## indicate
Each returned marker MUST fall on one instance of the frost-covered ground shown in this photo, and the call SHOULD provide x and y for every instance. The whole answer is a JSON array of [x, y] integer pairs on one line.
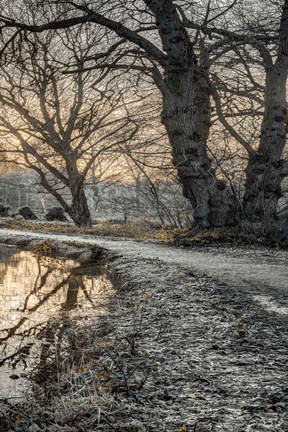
[[211, 358], [195, 340]]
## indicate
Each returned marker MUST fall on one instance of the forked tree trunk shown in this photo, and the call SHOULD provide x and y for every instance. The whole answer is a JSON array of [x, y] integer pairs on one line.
[[187, 119], [266, 169], [78, 210]]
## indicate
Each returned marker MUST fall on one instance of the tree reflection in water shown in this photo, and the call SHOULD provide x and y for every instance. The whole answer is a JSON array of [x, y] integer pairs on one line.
[[38, 296]]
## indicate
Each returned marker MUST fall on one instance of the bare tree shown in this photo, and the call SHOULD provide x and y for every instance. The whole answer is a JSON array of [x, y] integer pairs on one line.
[[181, 76], [60, 124], [251, 103], [266, 168], [177, 43]]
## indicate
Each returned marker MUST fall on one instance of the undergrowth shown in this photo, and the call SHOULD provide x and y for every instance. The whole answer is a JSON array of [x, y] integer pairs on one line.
[[140, 230], [244, 234]]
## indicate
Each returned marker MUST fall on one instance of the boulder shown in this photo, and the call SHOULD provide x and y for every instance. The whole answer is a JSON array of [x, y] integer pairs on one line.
[[27, 213], [4, 210], [56, 214], [18, 217], [91, 256]]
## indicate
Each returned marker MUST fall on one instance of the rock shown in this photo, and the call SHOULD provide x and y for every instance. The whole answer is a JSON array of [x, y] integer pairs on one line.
[[85, 257], [34, 244], [68, 251], [18, 217], [4, 210], [27, 213], [34, 428], [56, 214], [90, 256]]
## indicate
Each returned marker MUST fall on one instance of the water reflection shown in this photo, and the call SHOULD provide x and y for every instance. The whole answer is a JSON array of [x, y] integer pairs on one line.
[[34, 292]]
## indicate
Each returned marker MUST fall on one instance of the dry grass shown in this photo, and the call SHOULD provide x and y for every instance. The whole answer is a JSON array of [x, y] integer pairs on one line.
[[244, 234], [140, 230]]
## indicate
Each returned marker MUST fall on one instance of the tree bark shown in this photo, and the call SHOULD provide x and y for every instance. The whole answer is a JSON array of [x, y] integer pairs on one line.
[[187, 118], [79, 210], [266, 169]]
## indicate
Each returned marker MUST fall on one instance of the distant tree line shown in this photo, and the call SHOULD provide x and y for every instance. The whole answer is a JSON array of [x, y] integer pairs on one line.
[[160, 203]]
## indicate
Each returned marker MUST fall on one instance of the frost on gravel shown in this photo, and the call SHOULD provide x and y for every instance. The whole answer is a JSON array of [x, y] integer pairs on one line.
[[213, 358]]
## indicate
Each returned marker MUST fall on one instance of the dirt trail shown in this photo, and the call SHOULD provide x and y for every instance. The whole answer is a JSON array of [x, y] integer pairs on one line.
[[260, 273]]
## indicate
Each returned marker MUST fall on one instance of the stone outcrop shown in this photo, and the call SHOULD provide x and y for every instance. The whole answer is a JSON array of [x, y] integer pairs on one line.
[[27, 213], [56, 214], [4, 210]]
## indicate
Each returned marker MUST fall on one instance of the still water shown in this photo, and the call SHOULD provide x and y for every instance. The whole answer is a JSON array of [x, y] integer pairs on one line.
[[35, 291]]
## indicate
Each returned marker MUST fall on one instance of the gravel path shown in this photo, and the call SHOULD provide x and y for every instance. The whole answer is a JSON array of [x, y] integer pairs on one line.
[[260, 273]]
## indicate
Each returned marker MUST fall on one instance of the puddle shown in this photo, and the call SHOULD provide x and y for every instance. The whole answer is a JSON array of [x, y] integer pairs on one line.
[[35, 291]]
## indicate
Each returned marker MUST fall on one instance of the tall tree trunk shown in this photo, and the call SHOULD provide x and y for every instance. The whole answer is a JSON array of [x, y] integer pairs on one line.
[[266, 169], [79, 210], [187, 118]]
